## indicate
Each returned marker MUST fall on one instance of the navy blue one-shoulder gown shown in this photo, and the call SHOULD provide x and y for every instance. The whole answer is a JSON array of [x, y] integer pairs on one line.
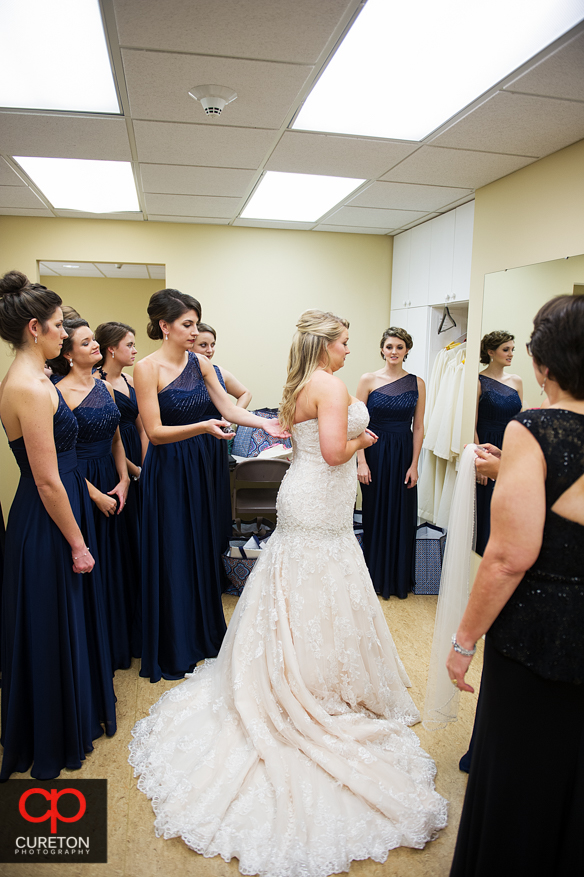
[[220, 465], [182, 613], [98, 417], [498, 404], [128, 408], [390, 508], [57, 688]]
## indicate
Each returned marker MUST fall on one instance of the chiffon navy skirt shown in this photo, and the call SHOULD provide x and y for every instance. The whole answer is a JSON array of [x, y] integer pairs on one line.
[[182, 613], [117, 551], [390, 511], [57, 694]]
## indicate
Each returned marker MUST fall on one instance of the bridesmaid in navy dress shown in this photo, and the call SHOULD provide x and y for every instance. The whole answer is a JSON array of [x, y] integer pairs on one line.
[[205, 346], [182, 613], [57, 693], [388, 470], [102, 462], [500, 397]]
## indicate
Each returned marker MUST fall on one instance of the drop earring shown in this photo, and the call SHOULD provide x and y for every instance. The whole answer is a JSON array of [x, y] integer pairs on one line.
[[35, 339], [166, 337], [113, 354], [70, 363], [543, 386]]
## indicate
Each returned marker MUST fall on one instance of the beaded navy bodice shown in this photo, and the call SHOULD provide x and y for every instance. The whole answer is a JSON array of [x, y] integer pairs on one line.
[[394, 403], [127, 405], [498, 404], [64, 432], [542, 623], [97, 415], [185, 400], [211, 411]]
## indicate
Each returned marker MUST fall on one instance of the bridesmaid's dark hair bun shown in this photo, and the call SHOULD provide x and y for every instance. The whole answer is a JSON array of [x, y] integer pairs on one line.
[[22, 301], [169, 305]]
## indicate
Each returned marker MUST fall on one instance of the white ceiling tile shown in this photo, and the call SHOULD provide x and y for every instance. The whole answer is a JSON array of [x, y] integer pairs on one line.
[[8, 177], [19, 196], [157, 272], [517, 124], [182, 180], [270, 223], [406, 196], [333, 155], [373, 217], [348, 229], [437, 166], [159, 83], [137, 272], [271, 29], [209, 146], [45, 271], [417, 222], [74, 214], [559, 75], [83, 269], [64, 136], [195, 220], [192, 205], [24, 211]]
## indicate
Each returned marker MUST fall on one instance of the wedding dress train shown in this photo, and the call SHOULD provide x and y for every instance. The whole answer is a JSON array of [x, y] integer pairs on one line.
[[291, 750]]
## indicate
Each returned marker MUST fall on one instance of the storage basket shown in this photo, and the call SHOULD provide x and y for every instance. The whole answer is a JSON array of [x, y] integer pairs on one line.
[[430, 544]]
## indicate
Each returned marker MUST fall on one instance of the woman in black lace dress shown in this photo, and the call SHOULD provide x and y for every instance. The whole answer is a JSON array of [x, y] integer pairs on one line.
[[524, 804]]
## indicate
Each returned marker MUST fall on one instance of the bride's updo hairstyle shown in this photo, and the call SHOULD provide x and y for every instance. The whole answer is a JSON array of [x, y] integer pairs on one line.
[[22, 301], [60, 364], [169, 305], [314, 331], [557, 342]]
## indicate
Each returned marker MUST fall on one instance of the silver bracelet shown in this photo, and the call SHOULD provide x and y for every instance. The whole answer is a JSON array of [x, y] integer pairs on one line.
[[468, 653]]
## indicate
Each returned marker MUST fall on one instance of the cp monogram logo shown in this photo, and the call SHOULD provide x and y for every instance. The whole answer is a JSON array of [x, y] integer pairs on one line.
[[53, 812]]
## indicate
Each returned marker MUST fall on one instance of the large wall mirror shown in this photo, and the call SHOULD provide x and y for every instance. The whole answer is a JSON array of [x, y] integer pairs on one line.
[[513, 297]]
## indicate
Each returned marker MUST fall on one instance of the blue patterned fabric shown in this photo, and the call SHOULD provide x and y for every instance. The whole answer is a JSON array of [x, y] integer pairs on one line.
[[98, 417], [429, 557], [182, 613], [390, 508], [498, 404], [250, 441], [57, 688]]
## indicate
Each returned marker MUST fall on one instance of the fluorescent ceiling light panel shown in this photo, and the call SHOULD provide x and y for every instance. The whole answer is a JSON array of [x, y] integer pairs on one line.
[[406, 68], [87, 186], [297, 197], [55, 57]]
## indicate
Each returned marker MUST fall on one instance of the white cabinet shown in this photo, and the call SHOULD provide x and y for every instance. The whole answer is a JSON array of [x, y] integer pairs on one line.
[[421, 237], [463, 230], [400, 274], [416, 322], [441, 257]]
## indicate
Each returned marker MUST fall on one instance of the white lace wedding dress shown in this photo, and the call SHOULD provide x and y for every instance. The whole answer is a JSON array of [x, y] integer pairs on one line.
[[290, 750]]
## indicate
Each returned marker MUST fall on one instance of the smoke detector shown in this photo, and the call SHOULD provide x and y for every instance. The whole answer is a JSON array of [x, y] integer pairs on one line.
[[213, 97]]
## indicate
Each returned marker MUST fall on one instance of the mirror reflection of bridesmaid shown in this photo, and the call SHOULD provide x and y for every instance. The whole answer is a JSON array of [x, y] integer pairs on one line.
[[388, 471], [499, 399]]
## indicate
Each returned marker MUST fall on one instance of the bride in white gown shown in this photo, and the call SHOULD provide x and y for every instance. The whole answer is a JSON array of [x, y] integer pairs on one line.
[[291, 750]]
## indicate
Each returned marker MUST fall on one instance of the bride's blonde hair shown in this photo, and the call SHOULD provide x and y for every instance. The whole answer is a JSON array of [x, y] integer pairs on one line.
[[314, 331]]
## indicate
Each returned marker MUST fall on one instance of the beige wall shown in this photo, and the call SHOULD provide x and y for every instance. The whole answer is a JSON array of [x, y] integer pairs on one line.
[[252, 283], [533, 215]]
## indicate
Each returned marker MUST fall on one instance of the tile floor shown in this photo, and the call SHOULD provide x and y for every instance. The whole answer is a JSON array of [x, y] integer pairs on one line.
[[135, 851]]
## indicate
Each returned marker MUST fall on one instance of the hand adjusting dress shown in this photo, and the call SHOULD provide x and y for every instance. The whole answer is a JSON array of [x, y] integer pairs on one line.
[[182, 613], [57, 685], [291, 750], [390, 508], [498, 404]]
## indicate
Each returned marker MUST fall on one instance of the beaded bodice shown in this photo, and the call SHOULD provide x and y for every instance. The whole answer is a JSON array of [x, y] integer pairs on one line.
[[211, 411], [128, 406], [316, 500], [542, 623], [185, 399], [498, 404], [97, 415], [64, 432], [393, 404]]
